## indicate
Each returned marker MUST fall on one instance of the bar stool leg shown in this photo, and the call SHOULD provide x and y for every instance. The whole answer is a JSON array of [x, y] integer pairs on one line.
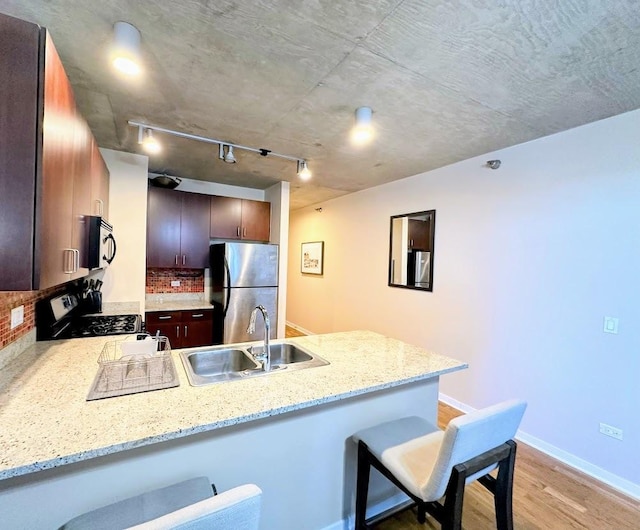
[[362, 486], [503, 496]]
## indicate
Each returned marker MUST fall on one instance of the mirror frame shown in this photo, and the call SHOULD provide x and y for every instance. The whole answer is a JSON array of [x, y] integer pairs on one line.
[[431, 244]]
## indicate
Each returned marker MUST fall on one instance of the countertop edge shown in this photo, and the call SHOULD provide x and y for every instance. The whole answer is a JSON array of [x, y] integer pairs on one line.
[[172, 435]]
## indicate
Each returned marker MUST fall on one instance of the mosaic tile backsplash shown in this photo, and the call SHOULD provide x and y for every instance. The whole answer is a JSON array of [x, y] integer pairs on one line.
[[11, 299], [159, 281]]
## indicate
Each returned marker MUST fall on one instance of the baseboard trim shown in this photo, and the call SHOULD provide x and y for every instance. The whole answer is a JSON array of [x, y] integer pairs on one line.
[[382, 506], [621, 484], [299, 328]]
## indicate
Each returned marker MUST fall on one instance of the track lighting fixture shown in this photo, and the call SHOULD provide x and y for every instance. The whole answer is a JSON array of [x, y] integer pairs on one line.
[[229, 158], [125, 50], [494, 164], [303, 170], [148, 141], [145, 137], [362, 131]]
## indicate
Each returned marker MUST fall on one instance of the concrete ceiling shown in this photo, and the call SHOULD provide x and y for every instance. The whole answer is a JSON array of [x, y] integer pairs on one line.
[[447, 80]]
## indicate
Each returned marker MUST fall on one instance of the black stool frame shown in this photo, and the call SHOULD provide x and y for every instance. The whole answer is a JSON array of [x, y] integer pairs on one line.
[[449, 514]]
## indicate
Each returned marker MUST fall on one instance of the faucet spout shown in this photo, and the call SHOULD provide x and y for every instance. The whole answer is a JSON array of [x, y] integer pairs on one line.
[[251, 328]]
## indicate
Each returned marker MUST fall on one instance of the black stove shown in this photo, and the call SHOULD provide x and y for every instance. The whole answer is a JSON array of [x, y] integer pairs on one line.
[[95, 326], [60, 317]]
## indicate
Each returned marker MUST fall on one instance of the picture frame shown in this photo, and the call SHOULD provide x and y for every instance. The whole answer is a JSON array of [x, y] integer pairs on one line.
[[312, 258]]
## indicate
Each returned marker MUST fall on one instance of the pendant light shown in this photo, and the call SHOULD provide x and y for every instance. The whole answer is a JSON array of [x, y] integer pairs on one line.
[[362, 131], [125, 50]]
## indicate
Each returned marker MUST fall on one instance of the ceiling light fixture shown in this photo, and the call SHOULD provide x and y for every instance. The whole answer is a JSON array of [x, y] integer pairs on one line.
[[149, 143], [125, 50], [362, 131], [144, 131], [303, 170], [229, 158]]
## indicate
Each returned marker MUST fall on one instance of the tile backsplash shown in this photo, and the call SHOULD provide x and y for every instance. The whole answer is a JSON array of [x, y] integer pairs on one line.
[[159, 281], [11, 299]]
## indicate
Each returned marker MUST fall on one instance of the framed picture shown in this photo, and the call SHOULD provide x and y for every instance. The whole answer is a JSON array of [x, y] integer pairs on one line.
[[312, 257]]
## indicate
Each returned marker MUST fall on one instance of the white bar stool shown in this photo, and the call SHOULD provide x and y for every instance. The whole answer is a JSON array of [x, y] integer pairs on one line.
[[188, 505], [428, 464]]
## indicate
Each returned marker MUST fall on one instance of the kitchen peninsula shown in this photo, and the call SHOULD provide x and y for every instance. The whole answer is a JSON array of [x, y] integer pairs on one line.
[[287, 432]]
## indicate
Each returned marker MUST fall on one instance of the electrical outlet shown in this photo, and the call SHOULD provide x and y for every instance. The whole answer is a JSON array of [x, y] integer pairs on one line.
[[175, 283], [610, 325], [17, 316], [608, 430]]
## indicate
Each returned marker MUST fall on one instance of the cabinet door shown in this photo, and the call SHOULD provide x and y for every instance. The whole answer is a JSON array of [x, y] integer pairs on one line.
[[226, 217], [59, 161], [197, 328], [164, 209], [81, 207], [168, 323], [19, 55], [256, 220], [194, 231], [418, 235], [99, 183]]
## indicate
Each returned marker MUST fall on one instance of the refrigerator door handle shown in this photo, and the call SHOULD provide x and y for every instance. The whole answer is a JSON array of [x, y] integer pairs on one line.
[[227, 287]]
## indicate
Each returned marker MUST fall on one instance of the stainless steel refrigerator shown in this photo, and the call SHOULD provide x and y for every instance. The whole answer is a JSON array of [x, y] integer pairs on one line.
[[243, 275], [420, 268]]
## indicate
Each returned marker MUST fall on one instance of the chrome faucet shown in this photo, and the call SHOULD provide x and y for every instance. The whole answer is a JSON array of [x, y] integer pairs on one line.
[[265, 357]]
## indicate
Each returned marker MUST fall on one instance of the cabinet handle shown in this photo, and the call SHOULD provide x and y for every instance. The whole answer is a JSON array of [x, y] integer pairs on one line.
[[184, 259], [76, 261], [238, 231], [185, 331], [100, 209], [244, 232], [176, 259], [168, 317], [411, 242], [67, 260], [177, 331], [199, 315]]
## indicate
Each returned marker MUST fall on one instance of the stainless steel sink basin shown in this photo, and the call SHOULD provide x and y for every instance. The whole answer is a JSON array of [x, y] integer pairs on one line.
[[205, 366]]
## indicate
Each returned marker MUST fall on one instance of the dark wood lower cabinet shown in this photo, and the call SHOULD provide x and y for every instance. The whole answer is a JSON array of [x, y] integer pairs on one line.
[[184, 329]]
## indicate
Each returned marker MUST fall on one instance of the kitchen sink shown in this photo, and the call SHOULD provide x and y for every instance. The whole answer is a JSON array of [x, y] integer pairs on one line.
[[206, 366]]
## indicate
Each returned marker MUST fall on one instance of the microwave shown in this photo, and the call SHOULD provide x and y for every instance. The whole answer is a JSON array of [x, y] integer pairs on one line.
[[101, 245]]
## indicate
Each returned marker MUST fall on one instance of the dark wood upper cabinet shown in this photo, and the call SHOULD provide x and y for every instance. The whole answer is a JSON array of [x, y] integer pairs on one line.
[[240, 219], [99, 183], [194, 230], [419, 234], [45, 163], [177, 229]]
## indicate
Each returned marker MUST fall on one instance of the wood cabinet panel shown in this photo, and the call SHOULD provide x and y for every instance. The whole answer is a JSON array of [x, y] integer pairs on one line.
[[99, 183], [419, 235], [19, 51], [45, 163], [226, 217], [163, 227], [245, 219], [185, 329], [256, 220], [194, 231]]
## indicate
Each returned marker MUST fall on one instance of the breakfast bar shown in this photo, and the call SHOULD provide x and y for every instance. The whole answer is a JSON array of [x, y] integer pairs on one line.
[[288, 432]]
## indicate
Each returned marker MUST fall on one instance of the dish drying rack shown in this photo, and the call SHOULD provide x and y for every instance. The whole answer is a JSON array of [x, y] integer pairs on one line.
[[137, 364]]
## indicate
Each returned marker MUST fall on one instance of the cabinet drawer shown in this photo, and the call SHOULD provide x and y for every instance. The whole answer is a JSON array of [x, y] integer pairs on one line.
[[156, 318], [198, 315]]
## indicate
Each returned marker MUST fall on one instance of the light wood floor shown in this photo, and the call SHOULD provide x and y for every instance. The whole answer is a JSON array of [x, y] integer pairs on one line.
[[546, 495]]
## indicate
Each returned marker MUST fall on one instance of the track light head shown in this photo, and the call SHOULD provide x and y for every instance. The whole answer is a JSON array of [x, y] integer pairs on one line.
[[494, 164], [303, 170], [229, 158], [148, 141]]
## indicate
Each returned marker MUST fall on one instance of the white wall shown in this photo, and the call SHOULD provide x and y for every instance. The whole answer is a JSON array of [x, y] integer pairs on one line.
[[528, 260], [278, 196], [124, 280]]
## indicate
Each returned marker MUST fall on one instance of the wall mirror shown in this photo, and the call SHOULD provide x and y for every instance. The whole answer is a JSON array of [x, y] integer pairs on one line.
[[411, 250]]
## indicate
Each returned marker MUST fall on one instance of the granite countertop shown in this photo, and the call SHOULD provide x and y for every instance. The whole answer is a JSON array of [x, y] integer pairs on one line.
[[177, 305], [47, 422]]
